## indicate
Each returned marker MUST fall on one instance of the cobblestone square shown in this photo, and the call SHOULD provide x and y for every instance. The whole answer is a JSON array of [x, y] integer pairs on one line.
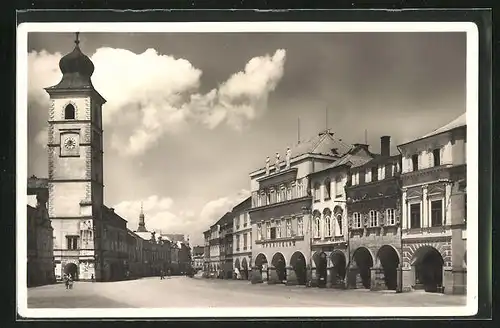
[[198, 292]]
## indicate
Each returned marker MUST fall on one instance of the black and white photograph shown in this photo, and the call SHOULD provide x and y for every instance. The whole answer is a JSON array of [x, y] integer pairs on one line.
[[247, 169]]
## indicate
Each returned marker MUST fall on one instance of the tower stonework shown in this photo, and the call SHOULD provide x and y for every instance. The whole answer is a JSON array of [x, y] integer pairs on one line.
[[76, 168]]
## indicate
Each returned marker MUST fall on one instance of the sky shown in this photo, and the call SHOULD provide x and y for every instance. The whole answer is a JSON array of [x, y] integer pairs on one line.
[[190, 115]]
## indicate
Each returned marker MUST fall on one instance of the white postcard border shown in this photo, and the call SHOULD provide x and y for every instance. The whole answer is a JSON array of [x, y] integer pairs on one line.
[[472, 103]]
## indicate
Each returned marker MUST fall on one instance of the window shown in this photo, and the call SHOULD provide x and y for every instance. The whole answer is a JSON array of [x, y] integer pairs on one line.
[[328, 187], [415, 215], [250, 240], [374, 173], [317, 227], [237, 242], [278, 229], [288, 227], [237, 222], [69, 112], [339, 188], [300, 192], [273, 196], [328, 226], [353, 179], [339, 222], [268, 230], [436, 213], [373, 219], [245, 241], [283, 193], [278, 196], [259, 231], [356, 220], [317, 195], [273, 233], [300, 226], [268, 198], [436, 154], [388, 171], [414, 162], [391, 219], [288, 192], [72, 242]]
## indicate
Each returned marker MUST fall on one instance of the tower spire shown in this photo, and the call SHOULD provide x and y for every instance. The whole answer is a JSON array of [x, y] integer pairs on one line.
[[142, 223]]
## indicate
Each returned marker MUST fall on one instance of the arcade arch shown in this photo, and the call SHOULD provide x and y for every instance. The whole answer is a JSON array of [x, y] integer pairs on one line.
[[389, 260], [364, 261], [427, 263], [298, 264], [279, 264]]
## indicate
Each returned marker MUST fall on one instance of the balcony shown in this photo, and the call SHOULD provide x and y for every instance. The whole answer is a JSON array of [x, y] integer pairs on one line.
[[277, 240]]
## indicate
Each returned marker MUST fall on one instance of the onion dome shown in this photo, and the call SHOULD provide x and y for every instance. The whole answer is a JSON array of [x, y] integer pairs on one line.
[[77, 70], [76, 62]]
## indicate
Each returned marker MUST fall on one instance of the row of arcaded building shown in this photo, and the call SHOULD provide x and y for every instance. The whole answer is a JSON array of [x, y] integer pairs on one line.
[[339, 215]]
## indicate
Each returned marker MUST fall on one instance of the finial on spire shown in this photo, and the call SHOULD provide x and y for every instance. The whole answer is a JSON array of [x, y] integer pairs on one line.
[[142, 208], [77, 41]]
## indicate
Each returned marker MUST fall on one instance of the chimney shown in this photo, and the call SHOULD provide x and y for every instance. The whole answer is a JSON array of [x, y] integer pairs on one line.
[[385, 146]]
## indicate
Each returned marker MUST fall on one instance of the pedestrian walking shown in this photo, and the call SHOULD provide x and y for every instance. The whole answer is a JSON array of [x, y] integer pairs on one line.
[[92, 277], [70, 282], [66, 281], [161, 274]]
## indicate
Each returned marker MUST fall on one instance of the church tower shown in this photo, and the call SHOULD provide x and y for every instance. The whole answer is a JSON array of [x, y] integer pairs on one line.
[[142, 223], [76, 167]]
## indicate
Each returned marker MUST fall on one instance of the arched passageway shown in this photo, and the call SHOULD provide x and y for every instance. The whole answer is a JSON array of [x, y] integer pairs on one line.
[[279, 264], [428, 266], [71, 269], [339, 263], [244, 269], [262, 265], [364, 262], [389, 260], [321, 262], [237, 269], [298, 263]]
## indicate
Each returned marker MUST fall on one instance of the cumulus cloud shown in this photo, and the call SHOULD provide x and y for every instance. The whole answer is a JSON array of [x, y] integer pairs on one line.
[[42, 137], [151, 94], [161, 216]]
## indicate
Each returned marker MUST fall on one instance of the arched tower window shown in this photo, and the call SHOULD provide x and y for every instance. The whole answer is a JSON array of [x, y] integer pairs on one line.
[[69, 112]]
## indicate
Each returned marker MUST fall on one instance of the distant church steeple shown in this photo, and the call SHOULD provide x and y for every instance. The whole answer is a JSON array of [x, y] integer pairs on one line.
[[142, 224]]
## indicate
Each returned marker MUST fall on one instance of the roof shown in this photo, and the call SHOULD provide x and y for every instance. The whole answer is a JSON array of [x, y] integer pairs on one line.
[[244, 205], [37, 183], [226, 218], [378, 159], [458, 122], [321, 144], [352, 159]]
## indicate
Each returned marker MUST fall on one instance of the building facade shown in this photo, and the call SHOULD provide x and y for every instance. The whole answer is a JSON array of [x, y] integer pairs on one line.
[[40, 261], [281, 210], [206, 252], [242, 239], [374, 211], [330, 236], [214, 242], [434, 210], [198, 258]]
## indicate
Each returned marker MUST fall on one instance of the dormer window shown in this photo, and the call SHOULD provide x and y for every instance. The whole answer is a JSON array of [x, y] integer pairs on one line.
[[414, 161], [374, 173], [436, 154], [327, 189], [69, 112], [317, 194]]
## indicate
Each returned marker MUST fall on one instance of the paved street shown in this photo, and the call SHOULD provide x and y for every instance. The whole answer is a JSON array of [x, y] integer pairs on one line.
[[196, 292]]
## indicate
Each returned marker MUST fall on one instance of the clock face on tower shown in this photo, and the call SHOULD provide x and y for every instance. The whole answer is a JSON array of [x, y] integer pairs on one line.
[[70, 143]]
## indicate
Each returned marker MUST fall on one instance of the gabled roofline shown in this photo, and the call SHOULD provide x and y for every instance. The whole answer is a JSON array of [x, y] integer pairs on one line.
[[433, 135]]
